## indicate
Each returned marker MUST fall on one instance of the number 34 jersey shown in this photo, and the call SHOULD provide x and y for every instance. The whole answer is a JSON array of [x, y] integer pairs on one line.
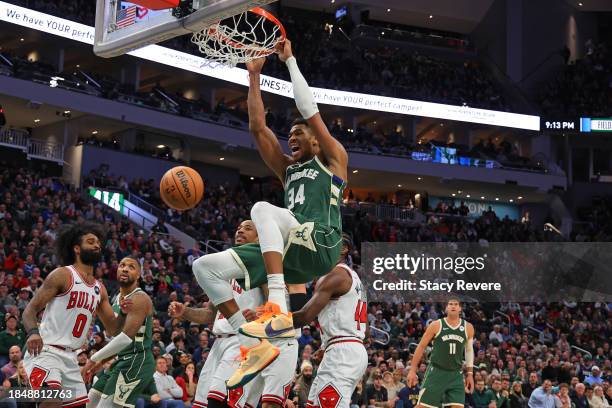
[[345, 316], [314, 193], [69, 315]]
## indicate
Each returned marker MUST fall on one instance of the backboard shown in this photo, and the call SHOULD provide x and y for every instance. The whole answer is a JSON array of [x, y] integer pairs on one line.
[[122, 26]]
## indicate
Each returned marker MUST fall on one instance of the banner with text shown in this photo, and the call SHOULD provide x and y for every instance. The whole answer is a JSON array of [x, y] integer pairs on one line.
[[489, 272], [478, 208], [163, 55]]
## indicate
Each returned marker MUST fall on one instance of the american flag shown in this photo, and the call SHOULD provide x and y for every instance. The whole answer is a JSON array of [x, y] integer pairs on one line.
[[126, 17]]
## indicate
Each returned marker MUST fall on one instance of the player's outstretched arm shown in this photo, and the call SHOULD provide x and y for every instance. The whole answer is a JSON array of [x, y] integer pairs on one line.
[[200, 315], [332, 284], [52, 286], [140, 309], [112, 324], [267, 144], [469, 359], [334, 153], [429, 334]]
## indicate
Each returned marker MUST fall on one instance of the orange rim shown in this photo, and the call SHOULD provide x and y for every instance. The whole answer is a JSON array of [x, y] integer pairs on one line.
[[271, 17], [264, 13]]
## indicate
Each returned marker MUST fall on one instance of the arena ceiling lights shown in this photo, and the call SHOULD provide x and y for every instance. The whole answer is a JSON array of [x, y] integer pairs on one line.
[[155, 53]]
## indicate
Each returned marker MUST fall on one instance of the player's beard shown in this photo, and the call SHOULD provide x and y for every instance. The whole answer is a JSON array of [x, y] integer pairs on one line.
[[127, 283], [89, 257]]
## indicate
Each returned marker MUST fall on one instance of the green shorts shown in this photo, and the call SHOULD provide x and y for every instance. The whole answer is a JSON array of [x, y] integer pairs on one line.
[[442, 387], [127, 378], [312, 250]]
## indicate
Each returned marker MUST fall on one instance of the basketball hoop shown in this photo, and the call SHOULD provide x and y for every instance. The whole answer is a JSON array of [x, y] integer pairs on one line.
[[241, 38]]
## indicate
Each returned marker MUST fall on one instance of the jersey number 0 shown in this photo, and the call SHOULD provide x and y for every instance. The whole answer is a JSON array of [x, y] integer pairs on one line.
[[79, 325]]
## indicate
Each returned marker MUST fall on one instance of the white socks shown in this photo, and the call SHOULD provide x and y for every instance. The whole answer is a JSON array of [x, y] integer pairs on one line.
[[276, 287]]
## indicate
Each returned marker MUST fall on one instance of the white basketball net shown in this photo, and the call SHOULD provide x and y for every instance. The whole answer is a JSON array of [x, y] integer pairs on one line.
[[239, 39]]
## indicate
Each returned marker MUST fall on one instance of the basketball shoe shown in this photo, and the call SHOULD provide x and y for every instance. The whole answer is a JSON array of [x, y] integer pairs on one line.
[[273, 324], [254, 360]]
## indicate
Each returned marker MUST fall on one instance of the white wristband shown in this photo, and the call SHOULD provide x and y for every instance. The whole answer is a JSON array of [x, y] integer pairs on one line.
[[118, 343], [304, 100], [469, 354]]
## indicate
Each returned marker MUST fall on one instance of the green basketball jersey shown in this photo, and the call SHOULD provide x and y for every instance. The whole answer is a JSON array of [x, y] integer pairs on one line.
[[449, 346], [313, 193], [144, 338]]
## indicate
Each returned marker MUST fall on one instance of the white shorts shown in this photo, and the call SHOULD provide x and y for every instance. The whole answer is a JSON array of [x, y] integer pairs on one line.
[[343, 366], [274, 383], [223, 360], [55, 368]]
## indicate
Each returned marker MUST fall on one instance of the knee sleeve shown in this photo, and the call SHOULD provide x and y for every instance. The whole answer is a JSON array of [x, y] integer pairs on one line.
[[214, 273], [273, 225]]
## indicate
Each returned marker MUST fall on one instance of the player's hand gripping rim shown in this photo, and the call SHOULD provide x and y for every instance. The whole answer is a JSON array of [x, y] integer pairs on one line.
[[283, 50]]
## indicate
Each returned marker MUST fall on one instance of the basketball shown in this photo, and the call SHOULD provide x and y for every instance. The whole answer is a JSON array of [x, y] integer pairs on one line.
[[181, 188]]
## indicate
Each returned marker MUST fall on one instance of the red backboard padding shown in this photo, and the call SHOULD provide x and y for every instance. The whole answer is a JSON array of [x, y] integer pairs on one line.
[[156, 4]]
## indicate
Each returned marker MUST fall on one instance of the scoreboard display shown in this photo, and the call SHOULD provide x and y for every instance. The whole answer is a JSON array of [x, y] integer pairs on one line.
[[596, 125], [560, 125], [584, 125]]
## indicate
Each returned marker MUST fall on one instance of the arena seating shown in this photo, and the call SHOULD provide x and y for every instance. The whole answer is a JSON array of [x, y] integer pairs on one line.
[[583, 87], [331, 64], [33, 208], [526, 343]]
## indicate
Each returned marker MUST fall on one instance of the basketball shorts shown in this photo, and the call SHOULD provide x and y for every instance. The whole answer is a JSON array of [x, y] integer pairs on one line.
[[442, 387], [343, 366], [312, 251], [274, 382], [127, 378], [223, 360], [55, 368]]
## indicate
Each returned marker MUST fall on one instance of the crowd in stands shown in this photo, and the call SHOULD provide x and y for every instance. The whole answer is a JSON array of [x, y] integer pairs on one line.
[[385, 70], [379, 70], [516, 352], [224, 205], [583, 88], [330, 63], [366, 139], [594, 223]]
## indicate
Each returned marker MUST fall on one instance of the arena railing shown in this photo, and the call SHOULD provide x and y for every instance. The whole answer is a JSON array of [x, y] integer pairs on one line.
[[507, 317], [37, 149], [417, 37], [14, 138], [381, 211], [145, 205], [46, 150], [169, 105], [139, 219], [583, 351], [534, 329], [208, 245]]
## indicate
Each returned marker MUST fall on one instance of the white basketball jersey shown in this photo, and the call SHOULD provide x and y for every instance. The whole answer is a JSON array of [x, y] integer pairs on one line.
[[248, 299], [347, 315], [69, 315]]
